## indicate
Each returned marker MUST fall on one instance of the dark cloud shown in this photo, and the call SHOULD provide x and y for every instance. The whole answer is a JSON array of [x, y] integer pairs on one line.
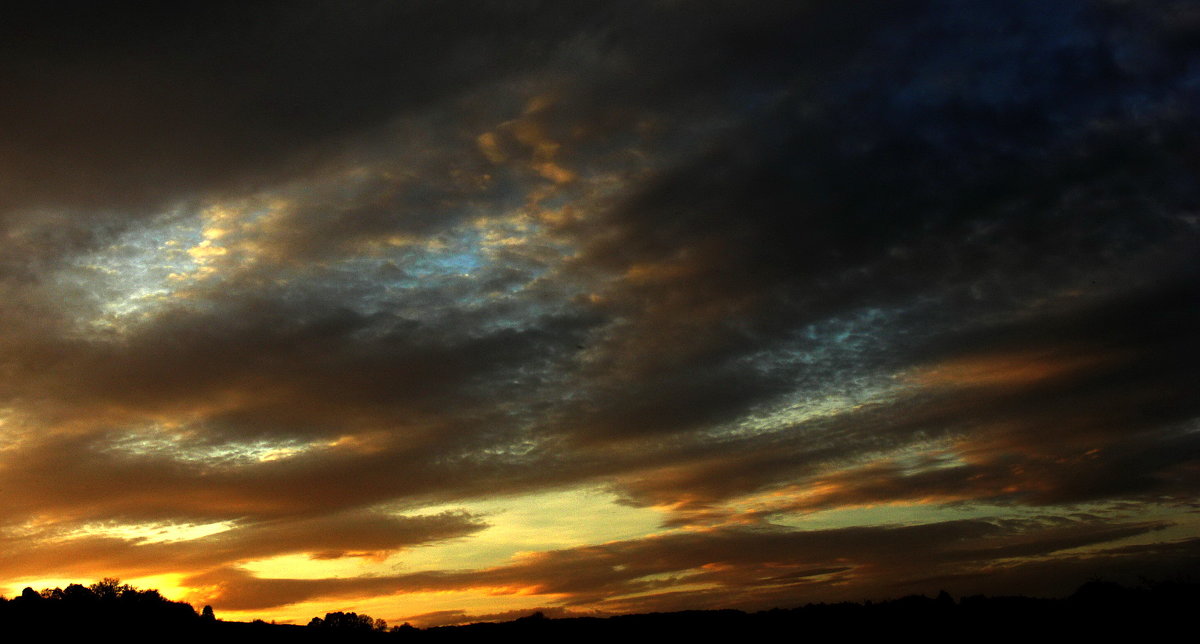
[[912, 174], [341, 534], [126, 105]]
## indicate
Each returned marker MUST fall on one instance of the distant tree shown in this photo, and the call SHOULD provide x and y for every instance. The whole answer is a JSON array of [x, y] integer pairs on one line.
[[78, 592], [30, 594], [110, 588], [207, 614], [345, 622], [380, 625]]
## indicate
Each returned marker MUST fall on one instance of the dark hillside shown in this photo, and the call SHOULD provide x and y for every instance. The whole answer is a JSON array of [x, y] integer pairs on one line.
[[1097, 609]]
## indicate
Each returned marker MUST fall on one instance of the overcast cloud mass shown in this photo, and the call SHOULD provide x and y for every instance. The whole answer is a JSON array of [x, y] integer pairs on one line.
[[447, 311]]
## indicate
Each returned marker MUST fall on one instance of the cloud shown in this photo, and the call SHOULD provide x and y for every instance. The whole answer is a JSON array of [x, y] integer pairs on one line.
[[283, 266], [758, 567], [347, 533], [234, 96]]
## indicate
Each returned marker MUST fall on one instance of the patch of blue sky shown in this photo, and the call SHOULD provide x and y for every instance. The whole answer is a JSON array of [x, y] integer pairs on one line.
[[832, 366], [155, 442], [457, 262], [131, 274], [462, 270]]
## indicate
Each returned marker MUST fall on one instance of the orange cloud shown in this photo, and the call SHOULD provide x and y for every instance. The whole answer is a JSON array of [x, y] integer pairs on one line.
[[1003, 369]]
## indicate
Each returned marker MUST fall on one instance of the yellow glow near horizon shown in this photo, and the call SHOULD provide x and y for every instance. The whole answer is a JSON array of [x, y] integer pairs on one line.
[[167, 584], [398, 608], [15, 586], [536, 522], [517, 524]]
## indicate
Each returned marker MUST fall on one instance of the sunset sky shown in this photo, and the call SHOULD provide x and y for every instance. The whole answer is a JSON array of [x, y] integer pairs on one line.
[[455, 311]]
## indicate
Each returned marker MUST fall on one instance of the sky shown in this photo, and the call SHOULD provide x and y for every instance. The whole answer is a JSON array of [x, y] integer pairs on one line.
[[445, 312]]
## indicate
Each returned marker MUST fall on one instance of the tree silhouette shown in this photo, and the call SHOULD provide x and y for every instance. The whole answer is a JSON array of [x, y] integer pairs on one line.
[[348, 622], [105, 606], [110, 588], [78, 593]]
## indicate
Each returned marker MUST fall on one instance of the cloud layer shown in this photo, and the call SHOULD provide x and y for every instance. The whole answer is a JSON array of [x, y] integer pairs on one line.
[[300, 273]]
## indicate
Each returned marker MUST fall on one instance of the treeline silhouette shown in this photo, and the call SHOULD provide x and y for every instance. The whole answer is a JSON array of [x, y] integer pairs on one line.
[[105, 605], [1097, 609]]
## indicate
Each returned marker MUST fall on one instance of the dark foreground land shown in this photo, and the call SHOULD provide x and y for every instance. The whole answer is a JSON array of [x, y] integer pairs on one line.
[[1098, 610]]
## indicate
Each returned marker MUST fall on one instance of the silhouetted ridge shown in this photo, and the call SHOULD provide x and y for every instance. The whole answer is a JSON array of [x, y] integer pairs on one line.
[[1096, 609], [105, 605]]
